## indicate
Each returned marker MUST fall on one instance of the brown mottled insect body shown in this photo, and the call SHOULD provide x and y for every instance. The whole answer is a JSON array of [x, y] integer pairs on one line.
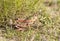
[[22, 23]]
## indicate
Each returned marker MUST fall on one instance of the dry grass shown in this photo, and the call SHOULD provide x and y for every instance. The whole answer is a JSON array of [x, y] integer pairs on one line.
[[46, 28]]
